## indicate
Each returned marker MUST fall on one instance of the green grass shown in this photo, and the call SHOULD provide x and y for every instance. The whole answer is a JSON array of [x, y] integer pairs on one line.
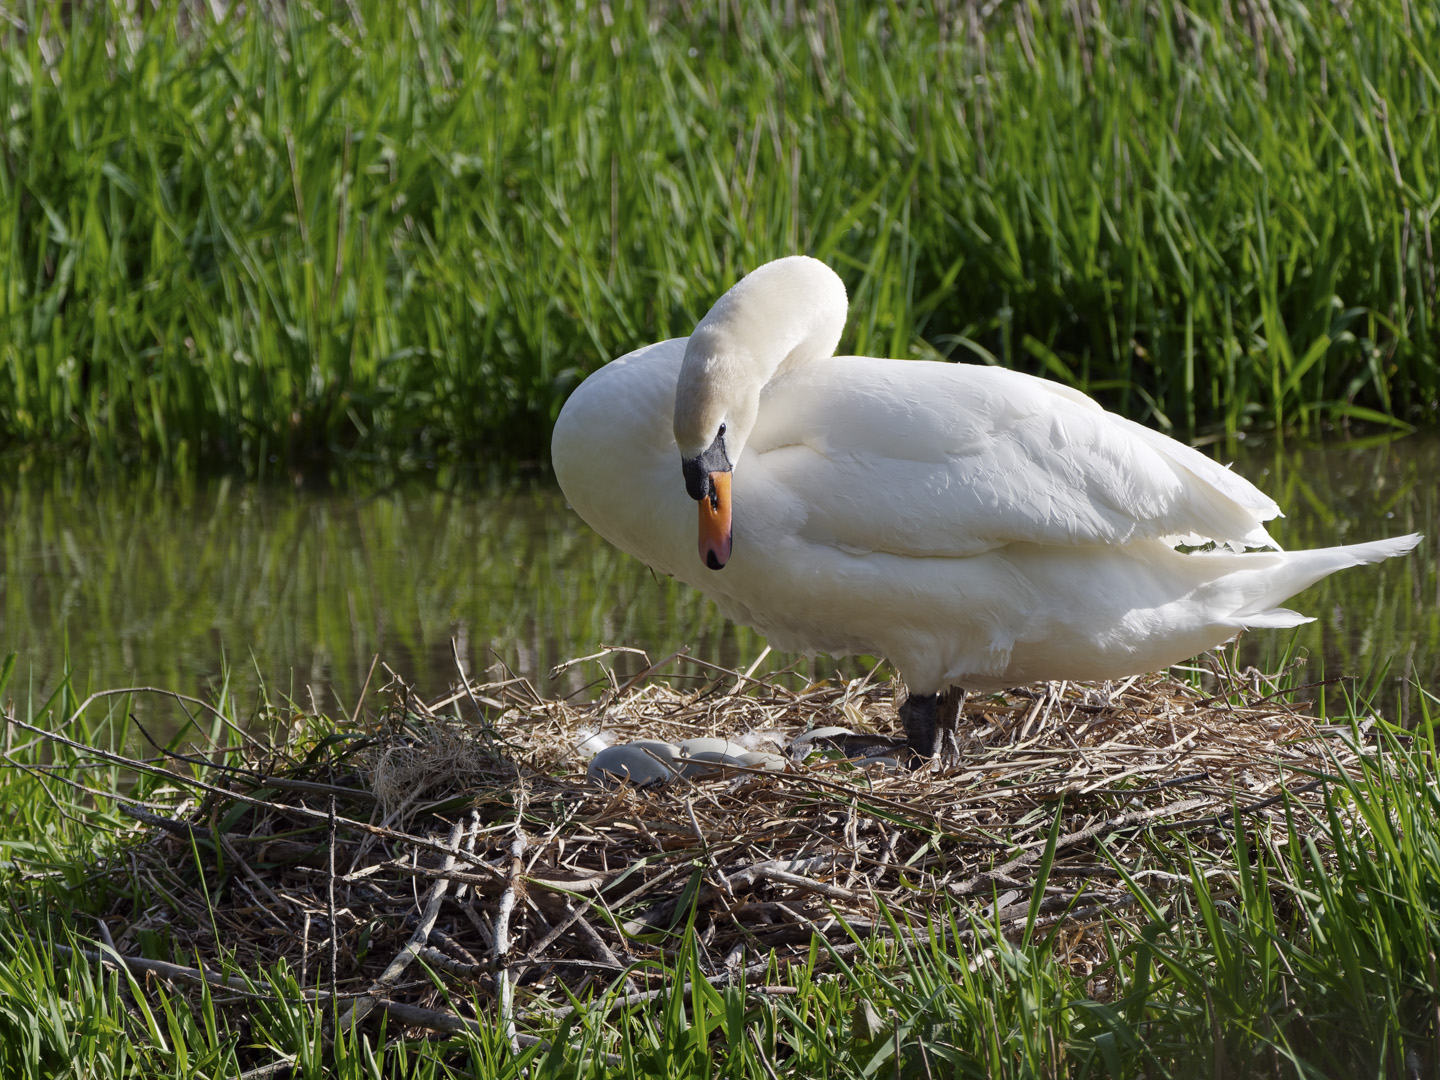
[[1291, 945], [405, 230]]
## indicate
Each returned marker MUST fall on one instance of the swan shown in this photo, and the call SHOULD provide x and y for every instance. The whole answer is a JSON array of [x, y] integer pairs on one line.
[[980, 528]]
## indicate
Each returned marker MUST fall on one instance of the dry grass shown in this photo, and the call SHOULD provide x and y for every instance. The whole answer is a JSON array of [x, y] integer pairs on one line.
[[479, 848]]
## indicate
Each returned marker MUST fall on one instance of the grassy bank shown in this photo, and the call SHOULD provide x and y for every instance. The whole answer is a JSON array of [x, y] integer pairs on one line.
[[400, 230], [1295, 939]]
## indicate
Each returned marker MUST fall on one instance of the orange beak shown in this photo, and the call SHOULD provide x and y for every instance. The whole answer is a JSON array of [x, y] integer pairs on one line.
[[715, 522]]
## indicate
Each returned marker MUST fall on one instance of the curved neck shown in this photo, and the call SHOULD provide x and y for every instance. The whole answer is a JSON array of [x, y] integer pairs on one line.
[[782, 315]]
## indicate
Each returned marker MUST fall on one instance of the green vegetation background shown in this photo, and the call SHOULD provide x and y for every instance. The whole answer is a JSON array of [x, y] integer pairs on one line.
[[390, 231]]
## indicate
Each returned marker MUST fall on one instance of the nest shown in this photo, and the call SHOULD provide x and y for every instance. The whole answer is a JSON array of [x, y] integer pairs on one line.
[[452, 855]]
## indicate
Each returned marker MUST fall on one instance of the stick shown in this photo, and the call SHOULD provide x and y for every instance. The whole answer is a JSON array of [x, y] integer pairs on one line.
[[502, 939], [309, 787], [1001, 873], [181, 698], [355, 716], [184, 830], [365, 1004], [741, 879], [537, 950], [330, 905], [471, 836], [589, 884], [1216, 820], [782, 877], [259, 883], [760, 1050], [595, 944], [485, 726], [167, 970], [749, 672]]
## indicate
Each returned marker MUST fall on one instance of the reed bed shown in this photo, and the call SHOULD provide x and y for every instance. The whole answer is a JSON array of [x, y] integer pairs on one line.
[[404, 231], [449, 864]]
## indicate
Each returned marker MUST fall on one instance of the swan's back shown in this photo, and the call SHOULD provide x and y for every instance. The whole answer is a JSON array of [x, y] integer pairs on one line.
[[919, 458]]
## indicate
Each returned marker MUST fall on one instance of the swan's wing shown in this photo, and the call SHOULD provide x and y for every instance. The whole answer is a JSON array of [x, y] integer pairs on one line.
[[918, 458]]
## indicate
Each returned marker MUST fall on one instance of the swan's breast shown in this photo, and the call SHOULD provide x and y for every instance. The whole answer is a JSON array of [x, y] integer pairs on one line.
[[614, 454]]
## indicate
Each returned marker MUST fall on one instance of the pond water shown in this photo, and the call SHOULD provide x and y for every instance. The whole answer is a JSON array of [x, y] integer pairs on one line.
[[293, 589]]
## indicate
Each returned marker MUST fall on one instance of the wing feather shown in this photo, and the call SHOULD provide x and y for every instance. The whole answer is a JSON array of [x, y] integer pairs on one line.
[[927, 459]]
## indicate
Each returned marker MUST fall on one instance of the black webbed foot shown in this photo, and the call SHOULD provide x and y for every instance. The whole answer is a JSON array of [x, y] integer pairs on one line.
[[867, 746]]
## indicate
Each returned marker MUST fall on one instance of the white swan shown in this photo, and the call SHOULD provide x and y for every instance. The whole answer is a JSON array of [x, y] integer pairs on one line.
[[979, 527]]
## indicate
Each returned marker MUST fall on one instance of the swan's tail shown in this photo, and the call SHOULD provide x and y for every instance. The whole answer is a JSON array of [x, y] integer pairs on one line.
[[1264, 589]]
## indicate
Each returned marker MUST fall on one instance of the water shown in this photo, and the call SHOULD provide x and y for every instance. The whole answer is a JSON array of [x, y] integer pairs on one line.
[[292, 590]]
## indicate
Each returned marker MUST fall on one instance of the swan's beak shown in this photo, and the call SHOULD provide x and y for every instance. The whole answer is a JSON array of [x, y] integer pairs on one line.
[[715, 521], [707, 481]]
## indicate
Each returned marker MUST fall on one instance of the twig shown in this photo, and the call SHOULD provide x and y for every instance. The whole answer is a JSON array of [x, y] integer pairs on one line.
[[502, 936], [749, 672], [472, 834], [330, 903], [355, 716], [167, 970], [741, 879], [182, 699], [183, 829], [593, 883], [310, 787], [445, 962], [605, 650], [265, 890], [1130, 793], [572, 916], [453, 947], [189, 759], [1255, 807], [470, 692], [645, 672], [1001, 873], [760, 1050], [268, 1072], [596, 944], [362, 1007]]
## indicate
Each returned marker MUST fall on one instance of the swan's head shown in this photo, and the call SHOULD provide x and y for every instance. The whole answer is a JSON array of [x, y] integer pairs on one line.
[[712, 421], [781, 315]]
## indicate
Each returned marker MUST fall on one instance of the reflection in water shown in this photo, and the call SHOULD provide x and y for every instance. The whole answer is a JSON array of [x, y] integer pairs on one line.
[[1380, 624], [167, 584]]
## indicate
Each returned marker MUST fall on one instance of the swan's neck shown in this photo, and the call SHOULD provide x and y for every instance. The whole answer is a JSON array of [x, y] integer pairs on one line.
[[779, 317]]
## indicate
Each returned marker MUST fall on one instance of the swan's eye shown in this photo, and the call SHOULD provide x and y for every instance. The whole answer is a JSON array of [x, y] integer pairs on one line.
[[722, 429]]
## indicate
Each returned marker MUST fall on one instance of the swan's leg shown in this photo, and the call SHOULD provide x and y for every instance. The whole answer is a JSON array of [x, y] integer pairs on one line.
[[930, 721], [918, 713], [952, 703]]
